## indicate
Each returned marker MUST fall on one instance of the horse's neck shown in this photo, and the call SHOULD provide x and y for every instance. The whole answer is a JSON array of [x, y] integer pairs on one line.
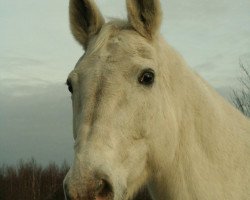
[[213, 145]]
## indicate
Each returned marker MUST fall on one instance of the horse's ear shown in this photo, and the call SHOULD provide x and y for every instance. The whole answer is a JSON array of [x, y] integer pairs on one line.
[[85, 20], [145, 16]]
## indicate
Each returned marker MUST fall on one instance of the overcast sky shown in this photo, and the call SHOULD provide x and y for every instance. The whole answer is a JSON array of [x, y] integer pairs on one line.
[[37, 52]]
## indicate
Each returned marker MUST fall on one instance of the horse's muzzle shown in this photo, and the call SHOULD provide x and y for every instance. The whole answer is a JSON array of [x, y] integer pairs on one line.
[[94, 189]]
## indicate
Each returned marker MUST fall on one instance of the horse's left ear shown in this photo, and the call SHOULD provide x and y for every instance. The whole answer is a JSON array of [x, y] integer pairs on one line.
[[145, 16]]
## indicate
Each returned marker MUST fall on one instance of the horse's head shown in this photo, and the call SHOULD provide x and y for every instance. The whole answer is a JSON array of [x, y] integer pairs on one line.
[[119, 108]]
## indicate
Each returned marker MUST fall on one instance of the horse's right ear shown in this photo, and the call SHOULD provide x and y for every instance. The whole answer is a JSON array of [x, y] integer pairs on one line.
[[145, 16], [85, 20]]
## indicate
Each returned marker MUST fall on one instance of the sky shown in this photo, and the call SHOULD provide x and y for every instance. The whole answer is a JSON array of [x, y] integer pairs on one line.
[[37, 52]]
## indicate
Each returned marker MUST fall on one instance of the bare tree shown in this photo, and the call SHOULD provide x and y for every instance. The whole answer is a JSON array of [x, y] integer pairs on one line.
[[241, 99]]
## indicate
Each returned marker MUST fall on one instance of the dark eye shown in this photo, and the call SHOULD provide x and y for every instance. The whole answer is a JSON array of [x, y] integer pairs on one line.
[[70, 88], [147, 77]]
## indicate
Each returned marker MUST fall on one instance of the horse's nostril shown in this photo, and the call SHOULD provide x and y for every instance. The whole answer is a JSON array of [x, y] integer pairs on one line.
[[104, 190], [99, 185]]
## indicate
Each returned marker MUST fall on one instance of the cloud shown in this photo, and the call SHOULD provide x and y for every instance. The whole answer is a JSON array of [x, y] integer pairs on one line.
[[38, 125]]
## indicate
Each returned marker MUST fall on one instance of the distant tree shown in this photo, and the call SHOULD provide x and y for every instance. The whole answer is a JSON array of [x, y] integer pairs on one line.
[[241, 98], [29, 181], [2, 182]]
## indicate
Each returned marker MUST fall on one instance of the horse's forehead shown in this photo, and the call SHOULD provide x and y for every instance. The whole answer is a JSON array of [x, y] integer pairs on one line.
[[115, 50], [131, 43]]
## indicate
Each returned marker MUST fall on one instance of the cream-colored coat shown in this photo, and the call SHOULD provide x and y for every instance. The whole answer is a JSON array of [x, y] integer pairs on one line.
[[178, 136]]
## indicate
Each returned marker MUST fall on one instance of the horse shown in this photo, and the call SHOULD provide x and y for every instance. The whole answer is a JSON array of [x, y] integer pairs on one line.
[[142, 117]]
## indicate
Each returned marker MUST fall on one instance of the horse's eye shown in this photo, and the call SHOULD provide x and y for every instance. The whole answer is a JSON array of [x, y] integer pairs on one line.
[[147, 77], [70, 88]]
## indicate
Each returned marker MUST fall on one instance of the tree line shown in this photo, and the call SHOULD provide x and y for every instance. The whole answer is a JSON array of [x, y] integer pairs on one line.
[[30, 181]]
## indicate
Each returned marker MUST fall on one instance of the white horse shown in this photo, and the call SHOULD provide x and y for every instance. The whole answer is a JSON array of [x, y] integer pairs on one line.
[[143, 118]]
